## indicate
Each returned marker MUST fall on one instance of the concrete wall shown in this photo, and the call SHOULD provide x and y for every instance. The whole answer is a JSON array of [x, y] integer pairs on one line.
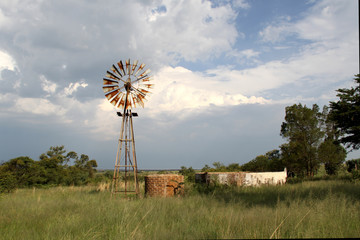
[[242, 178]]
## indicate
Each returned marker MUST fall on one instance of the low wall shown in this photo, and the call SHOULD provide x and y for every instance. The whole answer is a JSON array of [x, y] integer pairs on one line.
[[242, 178], [163, 185]]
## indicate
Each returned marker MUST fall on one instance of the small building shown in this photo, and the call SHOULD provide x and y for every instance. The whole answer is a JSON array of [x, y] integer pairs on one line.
[[242, 178]]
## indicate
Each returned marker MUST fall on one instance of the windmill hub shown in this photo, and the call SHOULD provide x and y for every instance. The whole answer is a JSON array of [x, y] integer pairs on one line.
[[127, 86]]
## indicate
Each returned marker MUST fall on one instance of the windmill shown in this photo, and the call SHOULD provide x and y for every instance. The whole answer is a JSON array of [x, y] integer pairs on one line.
[[126, 87]]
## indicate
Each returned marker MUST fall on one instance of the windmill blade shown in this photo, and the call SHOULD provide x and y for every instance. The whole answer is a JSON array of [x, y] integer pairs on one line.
[[140, 68], [115, 70], [122, 101], [110, 95], [107, 89], [121, 66], [112, 76], [133, 99], [110, 82], [138, 100], [146, 72], [138, 91], [149, 86], [141, 79], [144, 91], [134, 66], [128, 66], [116, 99], [146, 79]]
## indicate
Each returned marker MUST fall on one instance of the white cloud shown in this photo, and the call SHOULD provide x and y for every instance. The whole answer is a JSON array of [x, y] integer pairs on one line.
[[6, 62], [179, 89], [73, 87], [241, 4], [38, 106], [192, 30], [327, 20], [274, 33], [47, 85]]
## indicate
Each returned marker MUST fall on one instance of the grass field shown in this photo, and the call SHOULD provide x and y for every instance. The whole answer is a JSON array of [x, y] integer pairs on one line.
[[319, 209]]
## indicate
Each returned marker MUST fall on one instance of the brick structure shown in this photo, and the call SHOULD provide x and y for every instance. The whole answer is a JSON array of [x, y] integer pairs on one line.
[[163, 185]]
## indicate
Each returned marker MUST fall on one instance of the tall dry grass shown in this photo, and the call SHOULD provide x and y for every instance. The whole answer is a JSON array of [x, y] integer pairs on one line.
[[323, 209]]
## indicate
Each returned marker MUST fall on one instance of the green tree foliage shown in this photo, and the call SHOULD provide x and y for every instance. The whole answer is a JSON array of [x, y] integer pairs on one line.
[[51, 169], [26, 171], [332, 155], [330, 152], [233, 167], [206, 168], [353, 164], [188, 173], [346, 114], [269, 162], [312, 139], [302, 128], [219, 167], [7, 181]]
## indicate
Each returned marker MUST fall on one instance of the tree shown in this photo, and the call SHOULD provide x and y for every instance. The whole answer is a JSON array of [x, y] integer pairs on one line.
[[302, 128], [188, 173], [206, 168], [275, 160], [52, 168], [346, 114], [271, 161], [259, 164], [330, 152], [219, 167], [7, 180], [353, 164], [233, 167], [332, 155]]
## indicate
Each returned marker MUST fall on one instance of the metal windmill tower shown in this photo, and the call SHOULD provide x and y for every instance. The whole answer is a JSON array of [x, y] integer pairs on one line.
[[126, 87]]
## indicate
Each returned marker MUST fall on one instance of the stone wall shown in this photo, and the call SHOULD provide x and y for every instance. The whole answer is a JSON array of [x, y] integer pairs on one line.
[[163, 185]]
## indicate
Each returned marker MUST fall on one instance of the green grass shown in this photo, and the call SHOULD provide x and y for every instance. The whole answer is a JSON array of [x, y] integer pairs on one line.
[[321, 209]]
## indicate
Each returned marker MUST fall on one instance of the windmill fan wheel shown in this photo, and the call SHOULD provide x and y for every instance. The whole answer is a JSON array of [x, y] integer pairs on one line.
[[127, 86]]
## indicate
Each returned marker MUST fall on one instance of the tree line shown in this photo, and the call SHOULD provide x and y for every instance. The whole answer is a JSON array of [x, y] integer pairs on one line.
[[55, 167], [314, 136]]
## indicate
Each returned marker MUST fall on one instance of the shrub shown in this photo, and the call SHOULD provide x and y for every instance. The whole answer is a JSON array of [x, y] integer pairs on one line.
[[7, 182]]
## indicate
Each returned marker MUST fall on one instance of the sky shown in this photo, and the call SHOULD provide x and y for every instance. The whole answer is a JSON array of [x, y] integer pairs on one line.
[[223, 70]]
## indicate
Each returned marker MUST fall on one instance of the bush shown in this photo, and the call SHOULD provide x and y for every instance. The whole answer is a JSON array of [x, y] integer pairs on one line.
[[188, 173], [7, 182]]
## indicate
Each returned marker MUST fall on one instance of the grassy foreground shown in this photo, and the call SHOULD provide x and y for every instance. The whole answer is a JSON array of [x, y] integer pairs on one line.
[[322, 209]]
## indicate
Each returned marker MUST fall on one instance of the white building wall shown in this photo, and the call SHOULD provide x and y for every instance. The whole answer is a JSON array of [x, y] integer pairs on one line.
[[270, 178]]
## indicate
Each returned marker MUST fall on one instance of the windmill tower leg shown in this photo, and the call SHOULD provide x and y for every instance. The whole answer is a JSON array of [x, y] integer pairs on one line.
[[126, 159]]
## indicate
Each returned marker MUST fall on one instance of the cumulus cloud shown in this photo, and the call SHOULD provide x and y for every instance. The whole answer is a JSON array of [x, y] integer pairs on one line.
[[180, 89], [38, 106], [73, 87], [6, 61], [321, 23], [47, 85]]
